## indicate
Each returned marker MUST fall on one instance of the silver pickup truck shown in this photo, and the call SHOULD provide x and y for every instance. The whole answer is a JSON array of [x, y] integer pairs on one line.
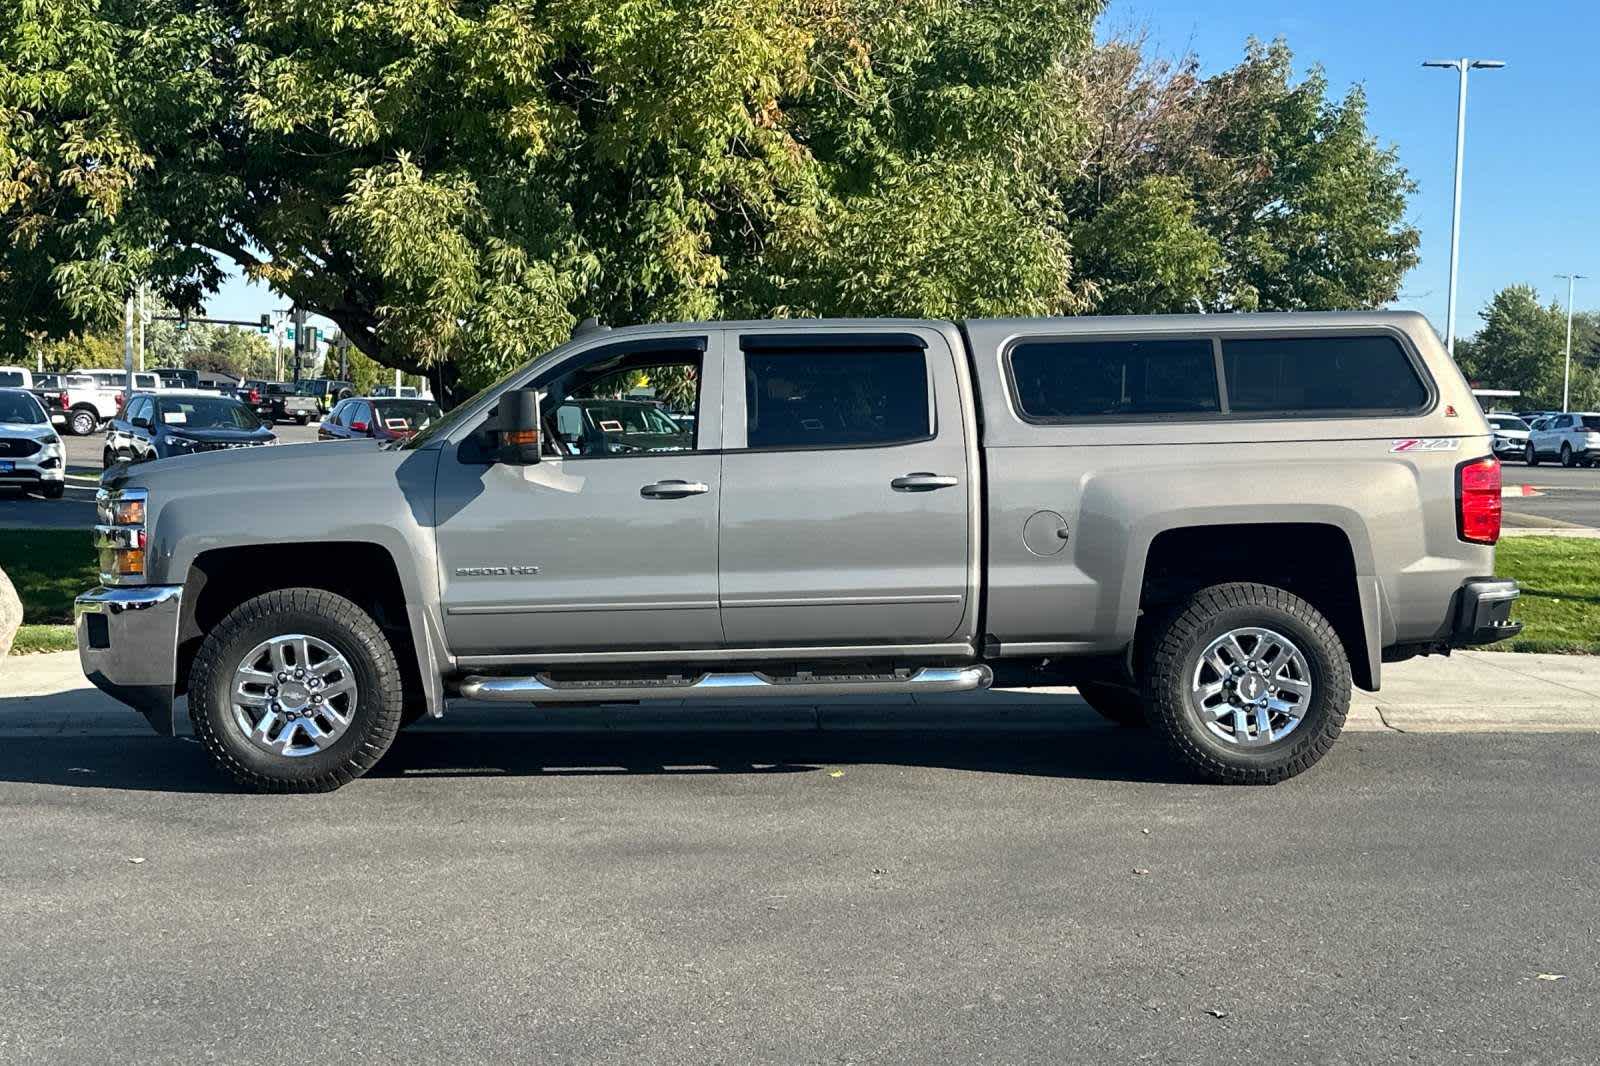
[[1212, 525]]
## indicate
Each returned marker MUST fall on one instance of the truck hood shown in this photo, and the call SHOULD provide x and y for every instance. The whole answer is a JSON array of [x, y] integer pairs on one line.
[[288, 464]]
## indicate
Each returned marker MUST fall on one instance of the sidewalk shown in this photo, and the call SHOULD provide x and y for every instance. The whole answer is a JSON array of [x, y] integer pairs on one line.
[[47, 695]]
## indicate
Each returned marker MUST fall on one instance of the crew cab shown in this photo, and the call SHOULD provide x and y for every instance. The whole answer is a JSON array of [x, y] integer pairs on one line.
[[91, 398], [1212, 525]]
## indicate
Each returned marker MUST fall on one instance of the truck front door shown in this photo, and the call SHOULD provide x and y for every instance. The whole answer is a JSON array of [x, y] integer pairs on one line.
[[609, 543], [846, 489]]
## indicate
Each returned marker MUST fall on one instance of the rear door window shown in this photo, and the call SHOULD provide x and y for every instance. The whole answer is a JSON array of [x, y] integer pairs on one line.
[[836, 397], [1057, 380], [1290, 375]]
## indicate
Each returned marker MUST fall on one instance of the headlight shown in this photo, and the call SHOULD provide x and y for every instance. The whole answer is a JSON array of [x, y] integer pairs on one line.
[[120, 536], [175, 441]]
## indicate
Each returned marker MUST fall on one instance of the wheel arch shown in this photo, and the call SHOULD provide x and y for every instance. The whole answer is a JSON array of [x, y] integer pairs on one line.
[[1323, 562], [366, 573]]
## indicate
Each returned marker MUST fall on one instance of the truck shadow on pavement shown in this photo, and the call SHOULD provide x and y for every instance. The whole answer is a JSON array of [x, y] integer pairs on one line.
[[112, 753]]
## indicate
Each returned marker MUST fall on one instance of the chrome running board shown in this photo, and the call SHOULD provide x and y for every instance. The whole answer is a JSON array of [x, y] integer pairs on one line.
[[541, 689]]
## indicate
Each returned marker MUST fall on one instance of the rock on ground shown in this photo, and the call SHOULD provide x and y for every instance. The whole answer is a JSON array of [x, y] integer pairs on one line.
[[10, 614]]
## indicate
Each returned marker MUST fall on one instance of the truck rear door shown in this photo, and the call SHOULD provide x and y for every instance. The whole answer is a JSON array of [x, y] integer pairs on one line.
[[846, 500]]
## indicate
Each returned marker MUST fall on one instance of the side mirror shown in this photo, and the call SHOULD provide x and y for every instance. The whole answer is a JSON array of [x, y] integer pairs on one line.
[[519, 427], [141, 423]]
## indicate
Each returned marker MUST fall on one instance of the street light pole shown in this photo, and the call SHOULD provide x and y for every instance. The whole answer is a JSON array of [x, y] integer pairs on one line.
[[1566, 371], [1461, 66]]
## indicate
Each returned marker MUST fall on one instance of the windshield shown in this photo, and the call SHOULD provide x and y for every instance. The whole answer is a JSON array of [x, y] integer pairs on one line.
[[206, 412], [1507, 422], [414, 413], [20, 409]]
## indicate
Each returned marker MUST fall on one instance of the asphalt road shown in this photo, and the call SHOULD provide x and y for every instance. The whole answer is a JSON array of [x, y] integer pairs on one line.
[[1570, 496], [803, 898]]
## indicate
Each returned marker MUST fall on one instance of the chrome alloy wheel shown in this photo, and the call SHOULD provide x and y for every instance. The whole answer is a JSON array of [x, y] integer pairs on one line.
[[1251, 687], [293, 695]]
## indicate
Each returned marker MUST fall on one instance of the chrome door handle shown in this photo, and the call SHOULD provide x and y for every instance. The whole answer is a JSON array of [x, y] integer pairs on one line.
[[673, 490], [923, 482]]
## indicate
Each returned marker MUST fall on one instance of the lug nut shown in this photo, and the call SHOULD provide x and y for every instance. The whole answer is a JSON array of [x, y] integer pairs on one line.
[[272, 690], [317, 698], [282, 676], [299, 672]]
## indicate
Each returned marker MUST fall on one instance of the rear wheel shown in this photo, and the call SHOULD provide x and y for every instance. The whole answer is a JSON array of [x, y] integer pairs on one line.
[[1116, 703], [296, 691], [1566, 456], [1248, 684]]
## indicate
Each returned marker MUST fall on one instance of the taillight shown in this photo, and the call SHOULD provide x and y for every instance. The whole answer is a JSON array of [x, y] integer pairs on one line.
[[1478, 500], [66, 405], [118, 401]]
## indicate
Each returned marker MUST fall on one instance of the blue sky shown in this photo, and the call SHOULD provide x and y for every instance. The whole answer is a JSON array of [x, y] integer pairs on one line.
[[1531, 207], [1531, 204]]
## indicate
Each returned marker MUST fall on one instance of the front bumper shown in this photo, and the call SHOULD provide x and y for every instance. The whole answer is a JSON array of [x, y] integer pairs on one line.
[[1483, 611], [30, 471], [128, 645]]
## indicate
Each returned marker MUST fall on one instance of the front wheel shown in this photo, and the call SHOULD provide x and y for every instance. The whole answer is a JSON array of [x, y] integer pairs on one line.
[[83, 422], [1248, 684], [296, 691], [1530, 456], [53, 490], [1566, 456], [302, 420]]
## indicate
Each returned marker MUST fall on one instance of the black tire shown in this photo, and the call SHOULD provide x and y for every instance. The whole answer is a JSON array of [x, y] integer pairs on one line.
[[53, 490], [1116, 703], [108, 458], [1566, 456], [1182, 638], [82, 422], [319, 614], [1531, 457], [302, 420]]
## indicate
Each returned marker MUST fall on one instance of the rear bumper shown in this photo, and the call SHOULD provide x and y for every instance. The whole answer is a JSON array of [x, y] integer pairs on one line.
[[1483, 611], [128, 646]]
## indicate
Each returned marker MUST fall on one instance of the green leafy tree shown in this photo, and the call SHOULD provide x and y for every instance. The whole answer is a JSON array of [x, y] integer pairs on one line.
[[1522, 345], [1259, 192], [456, 183]]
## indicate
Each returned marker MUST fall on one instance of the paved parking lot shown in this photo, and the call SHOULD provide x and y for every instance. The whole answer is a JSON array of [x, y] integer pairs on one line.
[[804, 898], [76, 509]]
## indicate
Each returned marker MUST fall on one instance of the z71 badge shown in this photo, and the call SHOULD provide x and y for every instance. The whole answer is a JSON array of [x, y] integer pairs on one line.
[[496, 571], [1426, 444]]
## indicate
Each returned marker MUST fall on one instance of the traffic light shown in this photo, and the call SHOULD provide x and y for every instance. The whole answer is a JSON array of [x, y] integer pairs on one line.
[[266, 324], [291, 333]]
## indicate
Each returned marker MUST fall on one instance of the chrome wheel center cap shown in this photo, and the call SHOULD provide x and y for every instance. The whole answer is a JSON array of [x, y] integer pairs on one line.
[[1252, 687], [294, 695]]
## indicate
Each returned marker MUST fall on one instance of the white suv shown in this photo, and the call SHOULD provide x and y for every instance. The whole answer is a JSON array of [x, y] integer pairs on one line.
[[1574, 438]]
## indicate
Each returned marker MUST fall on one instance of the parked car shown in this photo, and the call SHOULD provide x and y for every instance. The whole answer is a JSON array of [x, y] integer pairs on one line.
[[32, 457], [1573, 438], [186, 422], [376, 417], [612, 427], [1211, 524], [252, 392], [327, 392], [91, 398], [16, 377], [287, 404], [1510, 436]]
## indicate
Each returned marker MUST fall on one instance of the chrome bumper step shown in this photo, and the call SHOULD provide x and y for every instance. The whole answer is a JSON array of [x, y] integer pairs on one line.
[[542, 689]]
